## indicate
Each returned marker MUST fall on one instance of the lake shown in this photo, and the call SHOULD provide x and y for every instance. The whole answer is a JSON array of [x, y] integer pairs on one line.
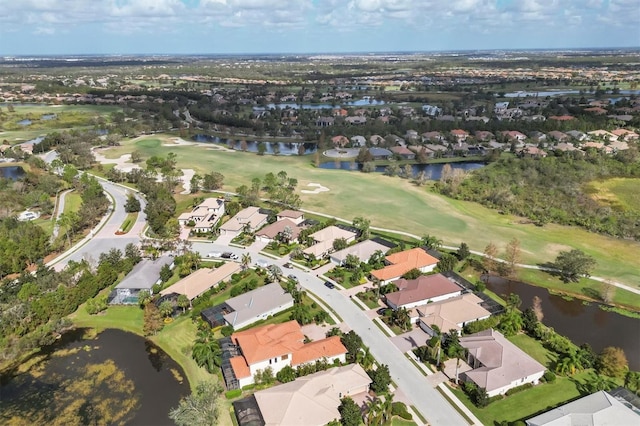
[[432, 171], [283, 148], [580, 322], [12, 172], [116, 378]]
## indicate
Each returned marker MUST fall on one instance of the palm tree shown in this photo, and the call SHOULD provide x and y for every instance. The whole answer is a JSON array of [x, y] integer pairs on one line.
[[364, 358], [67, 221], [402, 318], [207, 353], [245, 261], [458, 352], [431, 242], [274, 273], [183, 302], [144, 297], [166, 308], [374, 412]]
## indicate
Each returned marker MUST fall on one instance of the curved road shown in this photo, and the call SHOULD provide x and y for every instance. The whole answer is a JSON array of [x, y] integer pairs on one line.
[[105, 238]]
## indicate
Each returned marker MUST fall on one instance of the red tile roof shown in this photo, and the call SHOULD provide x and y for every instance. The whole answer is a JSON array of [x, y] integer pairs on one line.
[[422, 289], [404, 261]]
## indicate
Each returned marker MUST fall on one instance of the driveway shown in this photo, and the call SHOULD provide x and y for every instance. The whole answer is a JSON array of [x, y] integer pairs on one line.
[[410, 340]]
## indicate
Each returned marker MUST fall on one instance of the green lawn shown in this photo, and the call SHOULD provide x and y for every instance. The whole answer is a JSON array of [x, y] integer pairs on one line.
[[127, 318], [534, 348], [395, 203], [617, 193], [527, 403]]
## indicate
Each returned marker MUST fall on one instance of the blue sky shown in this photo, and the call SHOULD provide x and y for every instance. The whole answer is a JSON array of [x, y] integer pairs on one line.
[[38, 27]]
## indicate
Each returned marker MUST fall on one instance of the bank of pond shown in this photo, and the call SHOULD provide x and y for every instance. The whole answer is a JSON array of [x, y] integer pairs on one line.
[[578, 320], [112, 378]]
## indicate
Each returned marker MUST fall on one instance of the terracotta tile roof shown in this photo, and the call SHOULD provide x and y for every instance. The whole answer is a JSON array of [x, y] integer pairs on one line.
[[561, 117], [329, 347], [202, 280], [422, 289], [447, 314], [404, 261], [269, 341], [240, 367]]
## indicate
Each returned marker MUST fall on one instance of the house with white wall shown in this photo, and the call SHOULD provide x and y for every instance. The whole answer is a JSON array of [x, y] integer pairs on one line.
[[498, 365], [276, 346]]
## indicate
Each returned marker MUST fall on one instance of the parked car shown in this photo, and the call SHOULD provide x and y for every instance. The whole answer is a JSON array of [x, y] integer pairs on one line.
[[382, 311], [229, 255], [329, 284], [288, 265], [292, 277], [262, 263], [215, 254]]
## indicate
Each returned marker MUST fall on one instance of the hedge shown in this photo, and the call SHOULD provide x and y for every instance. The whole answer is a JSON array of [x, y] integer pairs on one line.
[[233, 393], [518, 389]]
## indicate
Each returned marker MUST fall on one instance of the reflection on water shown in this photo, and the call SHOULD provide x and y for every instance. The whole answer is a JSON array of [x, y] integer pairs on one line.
[[580, 322], [117, 378]]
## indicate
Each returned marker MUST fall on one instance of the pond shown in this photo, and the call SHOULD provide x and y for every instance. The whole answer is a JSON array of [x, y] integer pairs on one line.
[[12, 172], [432, 171], [24, 122], [283, 148], [116, 378], [580, 322]]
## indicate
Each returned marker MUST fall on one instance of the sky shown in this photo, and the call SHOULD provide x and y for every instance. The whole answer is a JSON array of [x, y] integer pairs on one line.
[[67, 27]]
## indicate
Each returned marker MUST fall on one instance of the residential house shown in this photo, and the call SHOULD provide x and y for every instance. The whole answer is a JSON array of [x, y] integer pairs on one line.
[[376, 139], [270, 232], [625, 134], [562, 117], [362, 250], [402, 262], [600, 146], [380, 153], [395, 140], [565, 147], [203, 279], [451, 314], [618, 145], [436, 148], [483, 136], [537, 136], [411, 135], [597, 409], [432, 136], [532, 151], [514, 135], [357, 120], [500, 108], [340, 141], [422, 290], [358, 141], [604, 135], [143, 276], [498, 365], [277, 346], [340, 112], [250, 218], [558, 136], [577, 135], [596, 110], [404, 152], [311, 400], [325, 121], [431, 110], [205, 215], [459, 135], [256, 305], [324, 239], [295, 216]]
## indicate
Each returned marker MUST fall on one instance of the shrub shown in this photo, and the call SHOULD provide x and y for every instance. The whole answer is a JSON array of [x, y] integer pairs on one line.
[[519, 389], [226, 331], [549, 376], [249, 387], [400, 409], [233, 393]]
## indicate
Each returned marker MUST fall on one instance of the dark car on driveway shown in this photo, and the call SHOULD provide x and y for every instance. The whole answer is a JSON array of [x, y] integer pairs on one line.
[[292, 277], [329, 284]]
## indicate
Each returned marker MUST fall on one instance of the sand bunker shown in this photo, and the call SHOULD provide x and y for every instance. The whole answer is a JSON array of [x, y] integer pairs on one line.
[[318, 189], [187, 174], [209, 146]]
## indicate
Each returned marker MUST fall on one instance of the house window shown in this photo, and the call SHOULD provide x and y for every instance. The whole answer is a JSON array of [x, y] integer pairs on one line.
[[284, 357], [270, 360]]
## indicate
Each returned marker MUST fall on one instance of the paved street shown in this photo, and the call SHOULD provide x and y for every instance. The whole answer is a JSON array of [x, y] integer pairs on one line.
[[106, 239], [414, 385]]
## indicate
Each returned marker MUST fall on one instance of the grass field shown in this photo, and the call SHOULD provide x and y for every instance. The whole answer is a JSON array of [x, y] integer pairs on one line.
[[618, 193], [397, 204]]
